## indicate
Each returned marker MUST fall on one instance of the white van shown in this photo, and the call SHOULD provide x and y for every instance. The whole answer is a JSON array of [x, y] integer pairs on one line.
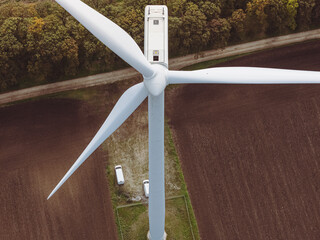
[[119, 174], [146, 187]]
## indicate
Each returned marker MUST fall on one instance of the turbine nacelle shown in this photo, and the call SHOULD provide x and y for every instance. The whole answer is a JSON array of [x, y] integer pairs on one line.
[[158, 81]]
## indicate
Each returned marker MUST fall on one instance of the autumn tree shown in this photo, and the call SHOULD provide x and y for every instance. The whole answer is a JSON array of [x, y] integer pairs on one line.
[[193, 32], [304, 13], [292, 10], [174, 35], [219, 32], [12, 54], [281, 16], [271, 17], [53, 52], [237, 22], [229, 6], [316, 14], [45, 8], [210, 10], [17, 10], [256, 20], [97, 4], [177, 8]]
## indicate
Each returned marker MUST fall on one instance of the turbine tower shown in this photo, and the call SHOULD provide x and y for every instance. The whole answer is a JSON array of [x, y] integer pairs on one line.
[[154, 68]]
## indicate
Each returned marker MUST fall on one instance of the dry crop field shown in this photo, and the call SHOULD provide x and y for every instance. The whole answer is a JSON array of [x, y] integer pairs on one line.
[[39, 142], [251, 154]]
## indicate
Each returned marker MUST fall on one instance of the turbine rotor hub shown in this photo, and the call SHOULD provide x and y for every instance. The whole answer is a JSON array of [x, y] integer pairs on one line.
[[158, 81]]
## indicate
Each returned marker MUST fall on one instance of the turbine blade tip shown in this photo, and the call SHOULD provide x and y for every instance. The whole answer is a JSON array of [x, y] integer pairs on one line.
[[50, 195]]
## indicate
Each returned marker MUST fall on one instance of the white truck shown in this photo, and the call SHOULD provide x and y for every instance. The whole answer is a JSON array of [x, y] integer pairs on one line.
[[146, 187], [119, 174]]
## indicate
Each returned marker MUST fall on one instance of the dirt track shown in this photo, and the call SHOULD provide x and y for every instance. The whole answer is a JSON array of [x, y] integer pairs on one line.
[[39, 141], [174, 63], [250, 154]]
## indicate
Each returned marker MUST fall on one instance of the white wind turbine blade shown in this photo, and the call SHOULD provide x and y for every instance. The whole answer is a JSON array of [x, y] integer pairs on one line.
[[244, 75], [113, 36], [125, 106]]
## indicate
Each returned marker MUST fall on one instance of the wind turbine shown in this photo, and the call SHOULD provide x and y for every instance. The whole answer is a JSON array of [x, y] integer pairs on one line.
[[154, 68]]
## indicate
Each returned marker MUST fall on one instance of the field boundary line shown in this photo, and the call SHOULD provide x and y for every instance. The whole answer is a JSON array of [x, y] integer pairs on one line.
[[118, 219], [185, 201], [129, 205]]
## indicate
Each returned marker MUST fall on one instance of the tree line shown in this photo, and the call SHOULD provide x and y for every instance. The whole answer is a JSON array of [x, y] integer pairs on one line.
[[41, 42]]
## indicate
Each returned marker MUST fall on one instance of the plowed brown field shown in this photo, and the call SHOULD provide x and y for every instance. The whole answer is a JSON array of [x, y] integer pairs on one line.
[[39, 142], [251, 154]]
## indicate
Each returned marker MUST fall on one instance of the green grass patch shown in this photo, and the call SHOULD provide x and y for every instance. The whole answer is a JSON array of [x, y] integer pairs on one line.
[[134, 223], [86, 94], [212, 63], [90, 95], [184, 191]]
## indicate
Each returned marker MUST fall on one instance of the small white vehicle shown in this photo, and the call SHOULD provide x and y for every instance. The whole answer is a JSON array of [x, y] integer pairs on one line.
[[146, 187], [119, 174]]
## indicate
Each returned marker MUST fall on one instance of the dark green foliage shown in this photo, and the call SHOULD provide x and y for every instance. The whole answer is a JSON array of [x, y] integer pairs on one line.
[[193, 33], [315, 16], [228, 6], [304, 16], [41, 42], [11, 48], [219, 32], [270, 17], [237, 22], [210, 10]]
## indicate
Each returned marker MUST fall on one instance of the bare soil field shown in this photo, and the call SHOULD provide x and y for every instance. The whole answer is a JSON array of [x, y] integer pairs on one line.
[[39, 142], [250, 161], [251, 154]]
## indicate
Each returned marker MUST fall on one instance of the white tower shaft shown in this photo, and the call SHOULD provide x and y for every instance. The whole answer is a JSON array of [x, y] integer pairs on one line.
[[156, 167]]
